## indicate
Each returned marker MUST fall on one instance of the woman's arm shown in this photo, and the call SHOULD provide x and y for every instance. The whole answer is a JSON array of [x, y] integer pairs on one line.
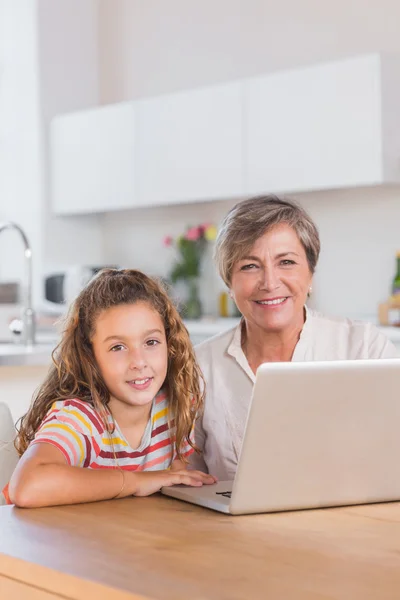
[[43, 478]]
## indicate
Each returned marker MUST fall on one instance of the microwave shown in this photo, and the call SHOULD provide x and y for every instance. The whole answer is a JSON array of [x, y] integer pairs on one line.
[[62, 286]]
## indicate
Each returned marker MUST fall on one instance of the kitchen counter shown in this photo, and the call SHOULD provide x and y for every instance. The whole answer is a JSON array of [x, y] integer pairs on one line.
[[200, 330], [40, 354], [20, 355]]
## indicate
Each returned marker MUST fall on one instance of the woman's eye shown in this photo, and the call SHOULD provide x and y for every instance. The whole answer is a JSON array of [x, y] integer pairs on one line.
[[248, 267], [287, 262], [152, 342], [117, 348]]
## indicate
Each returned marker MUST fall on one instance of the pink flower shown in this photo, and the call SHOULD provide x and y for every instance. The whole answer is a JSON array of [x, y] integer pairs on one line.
[[193, 234], [168, 240]]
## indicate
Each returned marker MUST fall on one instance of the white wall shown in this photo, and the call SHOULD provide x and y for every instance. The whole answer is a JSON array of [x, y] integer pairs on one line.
[[360, 236], [21, 175], [155, 46], [152, 47], [48, 65], [69, 80]]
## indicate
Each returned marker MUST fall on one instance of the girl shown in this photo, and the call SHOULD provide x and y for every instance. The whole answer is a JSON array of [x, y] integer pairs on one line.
[[116, 413]]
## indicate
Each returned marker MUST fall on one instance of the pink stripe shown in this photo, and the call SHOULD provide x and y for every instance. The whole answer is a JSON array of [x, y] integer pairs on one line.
[[89, 411], [161, 398], [154, 462], [74, 424], [63, 439]]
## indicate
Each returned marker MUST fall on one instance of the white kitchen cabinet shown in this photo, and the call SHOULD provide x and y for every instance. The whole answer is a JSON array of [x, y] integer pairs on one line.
[[93, 160], [327, 126], [189, 146]]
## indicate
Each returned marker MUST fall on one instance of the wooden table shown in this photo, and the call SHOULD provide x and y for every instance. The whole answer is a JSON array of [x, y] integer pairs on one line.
[[161, 548]]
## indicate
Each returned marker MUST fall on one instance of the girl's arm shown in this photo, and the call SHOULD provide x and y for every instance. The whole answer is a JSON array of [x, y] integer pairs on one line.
[[43, 478]]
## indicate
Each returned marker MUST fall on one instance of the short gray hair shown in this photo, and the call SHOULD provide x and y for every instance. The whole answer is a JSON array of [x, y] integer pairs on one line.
[[250, 219]]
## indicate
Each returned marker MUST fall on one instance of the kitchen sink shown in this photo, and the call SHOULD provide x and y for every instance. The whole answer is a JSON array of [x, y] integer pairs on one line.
[[41, 339], [21, 354]]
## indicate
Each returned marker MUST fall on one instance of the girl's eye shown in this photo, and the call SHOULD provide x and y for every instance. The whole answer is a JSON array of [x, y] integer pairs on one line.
[[248, 267], [117, 348], [152, 342]]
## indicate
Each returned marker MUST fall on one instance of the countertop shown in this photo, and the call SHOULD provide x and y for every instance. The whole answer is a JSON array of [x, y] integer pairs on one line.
[[164, 549], [18, 354]]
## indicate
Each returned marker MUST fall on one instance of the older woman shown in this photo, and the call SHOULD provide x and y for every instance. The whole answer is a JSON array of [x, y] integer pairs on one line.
[[267, 250]]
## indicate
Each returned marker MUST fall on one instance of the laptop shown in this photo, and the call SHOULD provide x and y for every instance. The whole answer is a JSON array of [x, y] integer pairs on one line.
[[318, 434]]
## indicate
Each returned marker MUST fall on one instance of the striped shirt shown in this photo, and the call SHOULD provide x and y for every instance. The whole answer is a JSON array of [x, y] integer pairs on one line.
[[76, 429]]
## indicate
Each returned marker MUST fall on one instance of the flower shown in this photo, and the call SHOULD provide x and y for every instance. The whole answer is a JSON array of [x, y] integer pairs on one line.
[[193, 234], [190, 247], [168, 240]]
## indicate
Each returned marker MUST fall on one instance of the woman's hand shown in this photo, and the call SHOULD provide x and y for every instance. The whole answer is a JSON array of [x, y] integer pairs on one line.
[[150, 482]]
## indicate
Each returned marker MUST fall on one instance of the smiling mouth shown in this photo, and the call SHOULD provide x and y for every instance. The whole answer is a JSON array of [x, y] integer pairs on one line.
[[274, 302], [140, 384]]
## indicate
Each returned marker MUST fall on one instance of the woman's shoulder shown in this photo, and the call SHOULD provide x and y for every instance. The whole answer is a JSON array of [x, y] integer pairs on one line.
[[334, 322], [337, 324], [348, 338], [76, 413]]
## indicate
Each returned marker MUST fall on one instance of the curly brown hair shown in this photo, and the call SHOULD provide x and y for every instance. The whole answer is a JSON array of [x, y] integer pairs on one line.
[[75, 374]]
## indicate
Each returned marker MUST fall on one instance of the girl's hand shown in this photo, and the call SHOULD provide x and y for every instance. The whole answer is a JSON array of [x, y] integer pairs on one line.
[[150, 482]]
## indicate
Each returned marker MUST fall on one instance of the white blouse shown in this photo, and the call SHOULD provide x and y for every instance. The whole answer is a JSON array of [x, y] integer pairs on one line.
[[229, 381]]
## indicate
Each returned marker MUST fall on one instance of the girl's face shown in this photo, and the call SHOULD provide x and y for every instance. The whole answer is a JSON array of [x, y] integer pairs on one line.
[[130, 349]]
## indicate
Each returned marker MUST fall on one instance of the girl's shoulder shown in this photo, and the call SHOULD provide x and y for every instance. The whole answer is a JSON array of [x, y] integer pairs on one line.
[[77, 413]]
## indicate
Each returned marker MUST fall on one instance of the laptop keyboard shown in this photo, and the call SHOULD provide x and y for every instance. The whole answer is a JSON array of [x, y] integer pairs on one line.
[[225, 494]]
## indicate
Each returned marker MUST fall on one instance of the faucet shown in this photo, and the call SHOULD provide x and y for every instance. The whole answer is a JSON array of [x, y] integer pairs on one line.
[[28, 314]]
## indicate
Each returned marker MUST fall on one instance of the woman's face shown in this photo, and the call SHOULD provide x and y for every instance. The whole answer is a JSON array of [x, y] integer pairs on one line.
[[270, 285]]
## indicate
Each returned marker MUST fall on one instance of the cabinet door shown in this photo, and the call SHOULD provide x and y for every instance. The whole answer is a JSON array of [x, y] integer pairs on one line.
[[314, 128], [92, 156], [189, 146]]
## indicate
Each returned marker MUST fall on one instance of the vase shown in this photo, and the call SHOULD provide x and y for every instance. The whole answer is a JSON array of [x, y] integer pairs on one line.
[[193, 303]]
